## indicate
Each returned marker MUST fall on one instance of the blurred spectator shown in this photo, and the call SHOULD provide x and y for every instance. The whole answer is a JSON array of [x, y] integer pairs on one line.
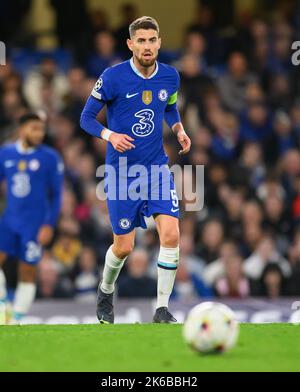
[[254, 94], [12, 107], [234, 283], [92, 213], [232, 214], [256, 124], [225, 141], [62, 130], [136, 283], [128, 13], [75, 99], [250, 169], [282, 140], [295, 117], [86, 169], [194, 46], [260, 45], [280, 56], [12, 82], [86, 276], [294, 258], [277, 221], [99, 20], [69, 16], [251, 236], [68, 204], [289, 169], [202, 138], [217, 175], [104, 55], [67, 246], [265, 253], [272, 283], [234, 82], [204, 22], [211, 239], [51, 284], [216, 270], [45, 86], [271, 186], [280, 92], [295, 209], [6, 72], [194, 83]]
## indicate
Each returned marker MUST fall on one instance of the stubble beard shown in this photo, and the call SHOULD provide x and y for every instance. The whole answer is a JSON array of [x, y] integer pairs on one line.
[[30, 144], [147, 63]]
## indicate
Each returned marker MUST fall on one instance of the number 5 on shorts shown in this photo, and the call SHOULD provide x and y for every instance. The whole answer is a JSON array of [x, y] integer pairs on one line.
[[174, 198]]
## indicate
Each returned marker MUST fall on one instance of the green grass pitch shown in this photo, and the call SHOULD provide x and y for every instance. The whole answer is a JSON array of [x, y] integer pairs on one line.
[[143, 347]]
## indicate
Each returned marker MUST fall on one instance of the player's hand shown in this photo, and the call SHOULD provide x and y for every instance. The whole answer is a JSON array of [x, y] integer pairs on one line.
[[45, 235], [121, 142], [185, 142]]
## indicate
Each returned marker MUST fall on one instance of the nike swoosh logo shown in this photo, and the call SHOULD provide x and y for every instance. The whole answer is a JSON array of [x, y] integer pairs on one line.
[[131, 95], [174, 210]]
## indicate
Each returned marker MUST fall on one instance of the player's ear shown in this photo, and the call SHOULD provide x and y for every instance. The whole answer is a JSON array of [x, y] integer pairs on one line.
[[129, 44], [159, 42]]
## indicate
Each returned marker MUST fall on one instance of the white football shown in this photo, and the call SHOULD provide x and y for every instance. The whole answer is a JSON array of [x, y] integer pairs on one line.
[[211, 327]]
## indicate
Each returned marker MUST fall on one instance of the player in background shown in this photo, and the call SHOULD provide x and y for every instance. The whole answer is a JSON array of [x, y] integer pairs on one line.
[[139, 93], [34, 178]]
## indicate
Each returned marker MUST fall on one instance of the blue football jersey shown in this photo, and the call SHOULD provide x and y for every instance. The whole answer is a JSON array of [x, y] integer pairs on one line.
[[136, 106], [34, 185]]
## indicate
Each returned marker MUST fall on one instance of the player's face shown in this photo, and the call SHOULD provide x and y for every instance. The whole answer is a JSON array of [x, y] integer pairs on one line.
[[33, 132], [145, 45]]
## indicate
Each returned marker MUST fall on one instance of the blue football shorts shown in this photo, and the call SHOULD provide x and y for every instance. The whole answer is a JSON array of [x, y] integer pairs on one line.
[[18, 243], [157, 196]]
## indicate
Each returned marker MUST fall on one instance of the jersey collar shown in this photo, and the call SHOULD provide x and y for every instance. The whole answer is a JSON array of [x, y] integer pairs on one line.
[[134, 68], [22, 150]]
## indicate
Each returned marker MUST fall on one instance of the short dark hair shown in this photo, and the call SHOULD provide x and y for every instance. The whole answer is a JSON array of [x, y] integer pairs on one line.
[[144, 22], [29, 117]]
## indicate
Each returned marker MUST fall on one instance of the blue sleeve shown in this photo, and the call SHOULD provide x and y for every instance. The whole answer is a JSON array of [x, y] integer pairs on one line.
[[172, 115], [88, 118], [103, 92], [55, 179]]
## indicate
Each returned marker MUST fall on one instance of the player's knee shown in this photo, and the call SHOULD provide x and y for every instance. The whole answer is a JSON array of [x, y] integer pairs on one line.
[[122, 251], [170, 239]]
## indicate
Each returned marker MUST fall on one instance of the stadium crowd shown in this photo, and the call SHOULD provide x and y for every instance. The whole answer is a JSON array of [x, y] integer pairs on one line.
[[240, 102]]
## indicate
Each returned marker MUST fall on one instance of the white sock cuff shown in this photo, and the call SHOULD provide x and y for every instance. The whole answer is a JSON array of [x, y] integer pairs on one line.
[[168, 256], [113, 260], [3, 292], [24, 297]]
